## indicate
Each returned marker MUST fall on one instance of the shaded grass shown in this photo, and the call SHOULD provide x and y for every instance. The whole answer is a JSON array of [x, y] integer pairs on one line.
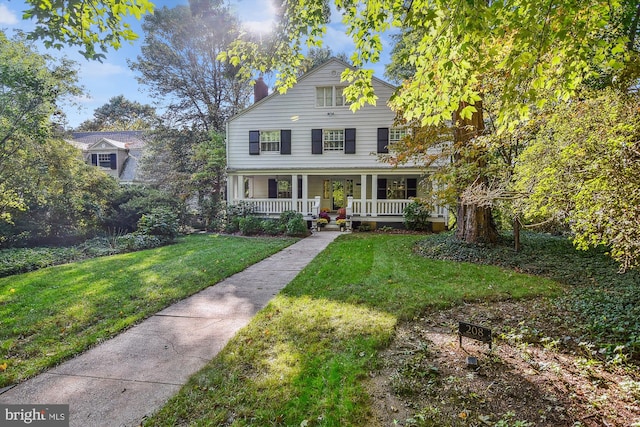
[[606, 300], [51, 314], [303, 360]]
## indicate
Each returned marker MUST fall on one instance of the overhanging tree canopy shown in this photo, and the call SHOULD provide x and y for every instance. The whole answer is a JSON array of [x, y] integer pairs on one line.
[[89, 24], [542, 47]]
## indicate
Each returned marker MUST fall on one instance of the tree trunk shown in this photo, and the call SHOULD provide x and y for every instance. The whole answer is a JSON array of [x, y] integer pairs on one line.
[[516, 234], [475, 223]]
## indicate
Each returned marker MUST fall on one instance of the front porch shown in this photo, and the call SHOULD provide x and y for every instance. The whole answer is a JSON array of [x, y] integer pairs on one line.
[[367, 197]]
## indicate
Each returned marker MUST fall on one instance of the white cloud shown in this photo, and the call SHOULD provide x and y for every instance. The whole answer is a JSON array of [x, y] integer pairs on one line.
[[257, 16], [96, 70], [7, 17]]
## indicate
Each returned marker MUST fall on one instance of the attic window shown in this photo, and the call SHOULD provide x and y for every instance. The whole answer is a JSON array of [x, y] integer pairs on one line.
[[104, 161], [330, 96]]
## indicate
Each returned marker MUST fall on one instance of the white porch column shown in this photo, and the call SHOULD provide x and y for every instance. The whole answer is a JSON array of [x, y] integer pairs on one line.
[[240, 187], [374, 195], [305, 194], [363, 195], [294, 192], [231, 179]]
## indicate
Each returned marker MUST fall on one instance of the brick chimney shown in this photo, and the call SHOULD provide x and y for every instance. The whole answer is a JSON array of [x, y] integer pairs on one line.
[[260, 90]]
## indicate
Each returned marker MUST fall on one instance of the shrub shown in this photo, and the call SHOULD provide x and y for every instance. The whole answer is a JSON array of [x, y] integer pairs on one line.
[[136, 241], [296, 226], [131, 202], [21, 260], [159, 222], [287, 216], [272, 227], [250, 225], [365, 226], [236, 212], [416, 216]]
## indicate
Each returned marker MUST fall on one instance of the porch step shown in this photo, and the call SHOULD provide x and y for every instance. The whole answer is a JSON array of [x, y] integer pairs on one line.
[[331, 227]]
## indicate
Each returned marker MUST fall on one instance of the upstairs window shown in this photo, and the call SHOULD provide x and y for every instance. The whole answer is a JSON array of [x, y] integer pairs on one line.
[[270, 140], [389, 136], [330, 96], [396, 135], [333, 140]]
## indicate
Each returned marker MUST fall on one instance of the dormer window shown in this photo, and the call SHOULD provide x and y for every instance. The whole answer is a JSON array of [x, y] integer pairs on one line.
[[330, 96], [104, 160]]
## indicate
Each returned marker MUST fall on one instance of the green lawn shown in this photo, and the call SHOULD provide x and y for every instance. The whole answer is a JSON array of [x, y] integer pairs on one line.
[[54, 313], [304, 358]]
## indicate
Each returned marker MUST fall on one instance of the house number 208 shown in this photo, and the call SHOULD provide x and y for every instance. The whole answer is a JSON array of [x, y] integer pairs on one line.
[[474, 331]]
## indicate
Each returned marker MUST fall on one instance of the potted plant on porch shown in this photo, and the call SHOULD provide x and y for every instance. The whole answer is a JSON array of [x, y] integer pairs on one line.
[[322, 222]]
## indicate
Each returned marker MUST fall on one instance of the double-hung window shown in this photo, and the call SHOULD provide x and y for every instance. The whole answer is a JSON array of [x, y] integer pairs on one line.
[[270, 140], [389, 136], [396, 135], [104, 160], [330, 96], [333, 140]]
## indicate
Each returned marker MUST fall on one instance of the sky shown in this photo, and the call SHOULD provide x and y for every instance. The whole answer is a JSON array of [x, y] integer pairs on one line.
[[112, 77]]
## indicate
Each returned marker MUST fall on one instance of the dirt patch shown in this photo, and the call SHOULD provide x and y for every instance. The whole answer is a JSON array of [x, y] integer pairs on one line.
[[538, 373]]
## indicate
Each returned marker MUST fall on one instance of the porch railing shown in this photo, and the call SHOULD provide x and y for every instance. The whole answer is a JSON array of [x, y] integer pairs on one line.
[[383, 207]]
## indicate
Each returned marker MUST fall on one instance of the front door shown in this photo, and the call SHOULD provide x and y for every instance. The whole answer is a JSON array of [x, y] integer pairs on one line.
[[335, 193], [338, 198]]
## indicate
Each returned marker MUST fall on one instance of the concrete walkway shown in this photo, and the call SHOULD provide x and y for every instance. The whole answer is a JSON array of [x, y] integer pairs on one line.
[[125, 379]]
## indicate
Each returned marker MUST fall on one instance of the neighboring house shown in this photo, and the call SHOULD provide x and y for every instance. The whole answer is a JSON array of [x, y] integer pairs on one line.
[[306, 150], [117, 153]]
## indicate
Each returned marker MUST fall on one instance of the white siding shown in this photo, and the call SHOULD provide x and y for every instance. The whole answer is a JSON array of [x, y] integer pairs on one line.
[[296, 111]]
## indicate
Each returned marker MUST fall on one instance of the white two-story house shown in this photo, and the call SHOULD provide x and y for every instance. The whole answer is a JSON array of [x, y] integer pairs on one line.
[[306, 150]]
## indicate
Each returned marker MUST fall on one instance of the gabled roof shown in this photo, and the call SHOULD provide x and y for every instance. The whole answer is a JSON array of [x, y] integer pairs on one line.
[[131, 138], [116, 144], [305, 76]]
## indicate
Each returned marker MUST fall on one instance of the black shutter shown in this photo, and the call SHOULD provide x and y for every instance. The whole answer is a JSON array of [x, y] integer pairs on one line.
[[254, 142], [94, 159], [412, 187], [299, 188], [350, 141], [273, 188], [382, 188], [285, 142], [113, 162], [316, 141], [383, 140]]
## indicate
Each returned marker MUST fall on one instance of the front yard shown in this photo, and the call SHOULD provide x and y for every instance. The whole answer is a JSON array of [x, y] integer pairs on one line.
[[366, 334], [52, 314]]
